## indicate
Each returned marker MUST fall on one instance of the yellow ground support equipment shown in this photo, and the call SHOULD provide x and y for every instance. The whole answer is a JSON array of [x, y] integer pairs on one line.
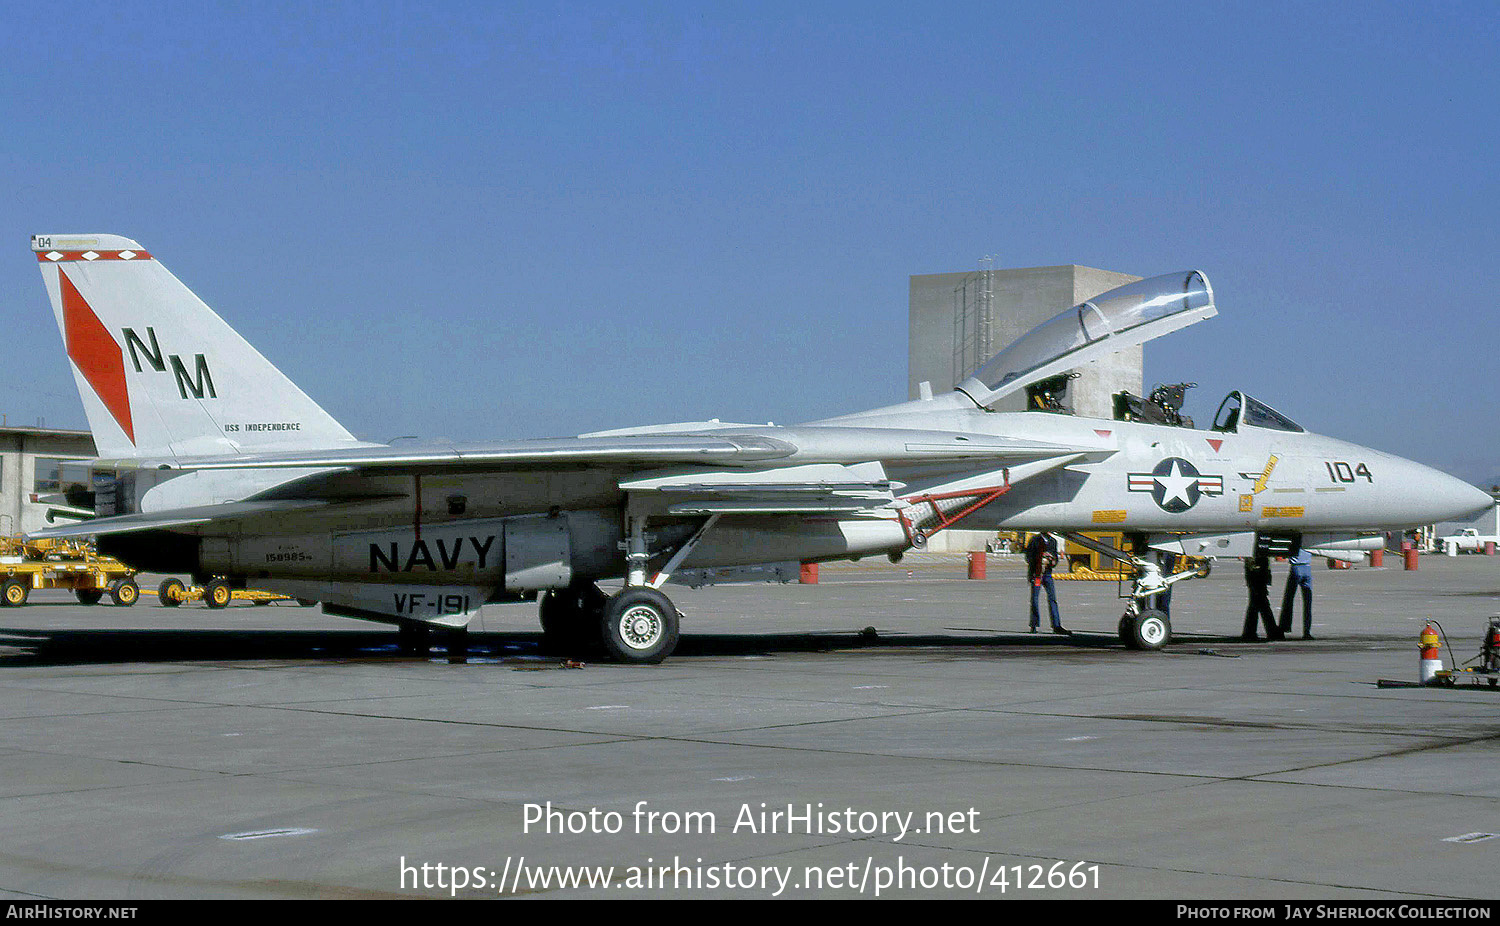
[[66, 564], [217, 594]]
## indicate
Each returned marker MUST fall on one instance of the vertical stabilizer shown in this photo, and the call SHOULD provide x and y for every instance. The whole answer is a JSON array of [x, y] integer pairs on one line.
[[158, 371]]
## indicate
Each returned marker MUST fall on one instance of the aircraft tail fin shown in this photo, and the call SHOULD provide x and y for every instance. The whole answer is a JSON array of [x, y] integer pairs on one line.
[[159, 372]]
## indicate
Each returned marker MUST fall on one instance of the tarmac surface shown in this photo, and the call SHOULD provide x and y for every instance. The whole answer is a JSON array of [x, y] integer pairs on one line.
[[273, 752]]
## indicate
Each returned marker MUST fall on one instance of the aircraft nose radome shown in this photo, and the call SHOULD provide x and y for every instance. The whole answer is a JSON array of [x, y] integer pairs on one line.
[[1480, 501], [1453, 499]]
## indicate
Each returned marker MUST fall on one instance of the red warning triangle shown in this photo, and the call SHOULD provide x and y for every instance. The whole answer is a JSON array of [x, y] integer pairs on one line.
[[1216, 444]]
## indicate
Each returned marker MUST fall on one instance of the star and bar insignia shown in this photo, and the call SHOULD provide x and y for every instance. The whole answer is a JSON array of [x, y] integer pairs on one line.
[[1176, 485]]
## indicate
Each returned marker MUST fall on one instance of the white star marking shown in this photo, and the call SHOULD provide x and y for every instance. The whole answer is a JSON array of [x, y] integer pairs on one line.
[[1175, 485]]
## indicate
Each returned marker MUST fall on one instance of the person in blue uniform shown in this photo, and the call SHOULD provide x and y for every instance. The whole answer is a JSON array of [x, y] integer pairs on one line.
[[1299, 577], [1041, 556]]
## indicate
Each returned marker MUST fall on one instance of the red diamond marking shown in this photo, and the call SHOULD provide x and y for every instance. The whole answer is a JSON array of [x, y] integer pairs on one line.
[[97, 354]]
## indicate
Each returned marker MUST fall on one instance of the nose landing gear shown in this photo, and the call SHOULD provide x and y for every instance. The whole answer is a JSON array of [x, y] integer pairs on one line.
[[1142, 627]]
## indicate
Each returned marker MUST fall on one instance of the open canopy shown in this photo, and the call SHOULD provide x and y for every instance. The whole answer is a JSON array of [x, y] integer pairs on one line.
[[1123, 317]]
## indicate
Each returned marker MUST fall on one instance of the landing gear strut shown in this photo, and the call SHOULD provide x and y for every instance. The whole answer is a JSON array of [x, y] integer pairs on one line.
[[638, 624], [1141, 627]]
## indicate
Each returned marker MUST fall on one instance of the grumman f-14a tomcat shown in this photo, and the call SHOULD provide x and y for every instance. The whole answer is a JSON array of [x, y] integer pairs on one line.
[[214, 464]]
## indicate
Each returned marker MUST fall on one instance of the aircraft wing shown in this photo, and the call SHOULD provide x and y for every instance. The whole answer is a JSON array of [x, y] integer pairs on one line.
[[738, 450], [505, 455], [810, 489], [693, 474], [178, 517]]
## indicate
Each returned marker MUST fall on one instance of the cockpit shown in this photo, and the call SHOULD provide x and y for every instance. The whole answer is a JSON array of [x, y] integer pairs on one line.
[[1239, 410], [1164, 406]]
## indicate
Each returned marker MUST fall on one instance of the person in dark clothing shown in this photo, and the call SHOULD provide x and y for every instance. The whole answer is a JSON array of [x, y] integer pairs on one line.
[[1258, 581], [1168, 563], [1041, 556], [1299, 577]]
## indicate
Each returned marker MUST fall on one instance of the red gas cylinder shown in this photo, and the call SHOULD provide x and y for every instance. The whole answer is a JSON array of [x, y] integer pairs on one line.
[[1377, 558], [1431, 662], [809, 574], [977, 565], [1411, 560]]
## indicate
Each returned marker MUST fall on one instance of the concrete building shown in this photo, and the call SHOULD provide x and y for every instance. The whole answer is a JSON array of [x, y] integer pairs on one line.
[[30, 460], [957, 321]]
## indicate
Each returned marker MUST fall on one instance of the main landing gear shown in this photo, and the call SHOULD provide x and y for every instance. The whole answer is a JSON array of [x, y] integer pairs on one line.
[[638, 624]]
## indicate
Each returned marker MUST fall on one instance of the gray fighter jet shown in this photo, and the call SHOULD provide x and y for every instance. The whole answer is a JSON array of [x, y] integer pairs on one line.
[[214, 464]]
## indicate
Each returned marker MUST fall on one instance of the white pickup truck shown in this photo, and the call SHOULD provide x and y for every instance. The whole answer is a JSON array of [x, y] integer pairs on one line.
[[1468, 540]]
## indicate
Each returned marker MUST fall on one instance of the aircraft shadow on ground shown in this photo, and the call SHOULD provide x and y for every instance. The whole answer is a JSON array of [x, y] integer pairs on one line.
[[31, 647]]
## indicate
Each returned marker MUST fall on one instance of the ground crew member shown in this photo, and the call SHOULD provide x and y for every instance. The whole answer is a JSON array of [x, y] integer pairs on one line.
[[1299, 577], [1168, 563], [1258, 581], [1041, 556]]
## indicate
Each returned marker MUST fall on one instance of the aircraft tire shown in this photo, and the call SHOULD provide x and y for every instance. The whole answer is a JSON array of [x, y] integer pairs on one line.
[[1127, 631], [1152, 630], [15, 592], [124, 593], [171, 592], [217, 594], [570, 619], [640, 626]]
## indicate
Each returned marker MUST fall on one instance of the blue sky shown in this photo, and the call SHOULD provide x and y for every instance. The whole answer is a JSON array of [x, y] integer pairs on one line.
[[528, 219]]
